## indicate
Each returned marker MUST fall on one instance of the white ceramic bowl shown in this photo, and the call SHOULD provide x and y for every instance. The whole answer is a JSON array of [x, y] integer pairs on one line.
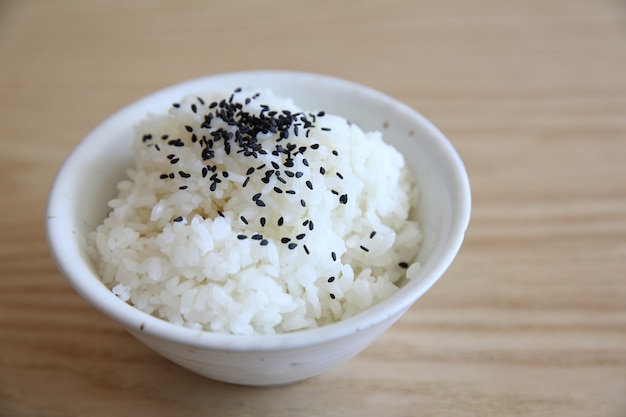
[[86, 181]]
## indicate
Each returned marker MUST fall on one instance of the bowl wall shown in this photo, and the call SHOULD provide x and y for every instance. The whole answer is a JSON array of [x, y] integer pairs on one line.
[[266, 367]]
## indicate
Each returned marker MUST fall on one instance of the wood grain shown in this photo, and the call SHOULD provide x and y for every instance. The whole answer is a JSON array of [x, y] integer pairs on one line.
[[529, 321]]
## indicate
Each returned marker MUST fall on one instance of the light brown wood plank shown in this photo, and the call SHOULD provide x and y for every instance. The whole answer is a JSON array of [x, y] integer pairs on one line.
[[529, 321]]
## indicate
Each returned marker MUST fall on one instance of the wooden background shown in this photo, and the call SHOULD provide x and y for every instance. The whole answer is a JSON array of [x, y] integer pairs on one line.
[[529, 321]]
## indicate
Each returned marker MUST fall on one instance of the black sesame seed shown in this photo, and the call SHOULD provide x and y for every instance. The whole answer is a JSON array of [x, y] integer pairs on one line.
[[315, 146], [335, 153], [178, 219], [242, 237], [309, 185], [205, 172], [184, 174], [174, 161], [299, 174], [207, 154], [188, 128], [403, 265], [260, 203], [262, 220], [249, 171], [343, 199], [194, 108], [264, 242], [278, 190], [281, 221], [256, 196], [164, 137], [157, 147], [285, 240], [306, 249], [322, 170], [311, 225], [293, 192], [364, 248], [200, 100], [321, 114], [305, 162], [339, 175], [302, 203], [292, 245], [176, 105], [275, 165], [332, 296], [146, 137], [213, 186], [333, 255], [220, 213], [246, 182], [182, 187], [164, 176], [171, 175], [372, 234], [326, 129], [281, 179], [331, 279], [256, 236], [300, 236], [334, 192], [243, 219]]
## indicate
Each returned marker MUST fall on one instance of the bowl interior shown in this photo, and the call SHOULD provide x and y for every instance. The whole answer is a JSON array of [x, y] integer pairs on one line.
[[86, 182]]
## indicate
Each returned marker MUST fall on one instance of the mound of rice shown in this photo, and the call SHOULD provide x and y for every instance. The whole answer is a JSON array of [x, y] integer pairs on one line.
[[245, 214]]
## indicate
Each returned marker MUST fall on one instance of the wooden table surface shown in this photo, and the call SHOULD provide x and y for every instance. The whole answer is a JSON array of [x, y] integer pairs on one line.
[[529, 321]]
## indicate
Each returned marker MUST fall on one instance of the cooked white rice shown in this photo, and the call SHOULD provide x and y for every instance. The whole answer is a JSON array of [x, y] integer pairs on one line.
[[247, 215]]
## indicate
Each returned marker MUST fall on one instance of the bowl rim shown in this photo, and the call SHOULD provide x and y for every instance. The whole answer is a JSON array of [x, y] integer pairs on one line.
[[82, 279]]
